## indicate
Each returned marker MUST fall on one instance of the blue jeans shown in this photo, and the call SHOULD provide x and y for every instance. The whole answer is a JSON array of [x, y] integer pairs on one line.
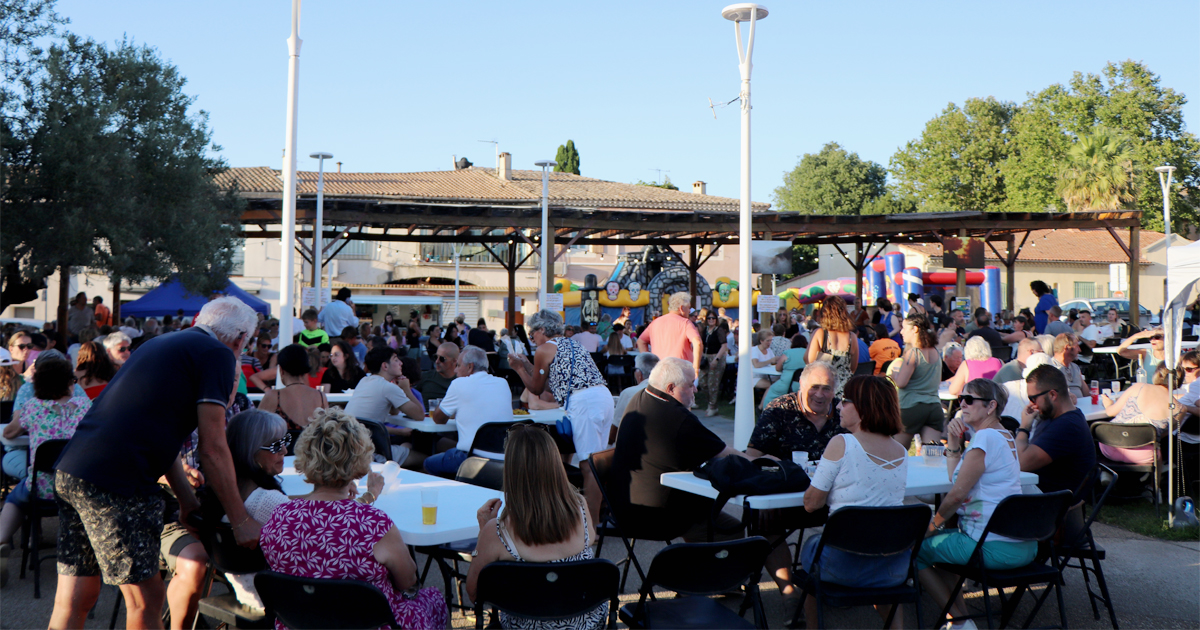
[[849, 569], [445, 463]]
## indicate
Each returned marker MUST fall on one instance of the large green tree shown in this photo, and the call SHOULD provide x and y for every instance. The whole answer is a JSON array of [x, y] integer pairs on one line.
[[957, 162], [567, 158], [831, 181], [112, 172], [1099, 173]]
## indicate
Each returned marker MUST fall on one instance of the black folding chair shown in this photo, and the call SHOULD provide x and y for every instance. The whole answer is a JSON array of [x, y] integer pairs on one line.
[[856, 530], [380, 438], [1079, 544], [225, 556], [1133, 435], [1021, 517], [316, 603], [31, 541], [548, 591], [696, 571], [864, 367], [1004, 353], [618, 382], [600, 464], [489, 440]]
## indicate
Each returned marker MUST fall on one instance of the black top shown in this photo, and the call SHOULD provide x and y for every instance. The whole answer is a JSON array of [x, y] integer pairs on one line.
[[659, 435], [989, 335], [712, 340], [138, 424], [1068, 442], [784, 428], [336, 383], [481, 339], [434, 385]]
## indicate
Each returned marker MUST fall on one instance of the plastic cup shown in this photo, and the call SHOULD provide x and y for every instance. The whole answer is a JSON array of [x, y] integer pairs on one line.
[[429, 506], [800, 457]]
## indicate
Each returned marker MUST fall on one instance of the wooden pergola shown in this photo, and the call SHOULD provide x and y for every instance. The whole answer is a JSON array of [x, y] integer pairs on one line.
[[857, 238]]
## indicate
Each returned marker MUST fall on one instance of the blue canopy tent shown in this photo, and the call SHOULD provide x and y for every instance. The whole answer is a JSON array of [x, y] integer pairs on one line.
[[170, 296]]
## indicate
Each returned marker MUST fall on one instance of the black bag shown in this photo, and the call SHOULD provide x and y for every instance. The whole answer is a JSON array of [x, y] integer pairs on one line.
[[733, 475]]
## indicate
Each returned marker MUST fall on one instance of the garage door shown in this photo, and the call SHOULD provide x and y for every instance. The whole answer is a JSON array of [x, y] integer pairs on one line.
[[468, 306]]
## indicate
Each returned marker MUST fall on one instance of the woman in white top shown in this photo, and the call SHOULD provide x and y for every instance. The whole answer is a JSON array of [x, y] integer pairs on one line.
[[986, 474], [864, 467], [761, 355]]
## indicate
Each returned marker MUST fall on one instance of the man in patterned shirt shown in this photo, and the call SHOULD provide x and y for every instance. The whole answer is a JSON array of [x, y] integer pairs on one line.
[[804, 421]]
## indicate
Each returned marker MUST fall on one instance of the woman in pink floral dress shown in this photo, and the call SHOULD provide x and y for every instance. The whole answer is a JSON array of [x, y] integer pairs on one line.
[[328, 534]]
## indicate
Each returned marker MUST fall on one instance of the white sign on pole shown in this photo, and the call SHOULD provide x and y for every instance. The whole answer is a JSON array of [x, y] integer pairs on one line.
[[768, 303], [1118, 277], [308, 298], [554, 302]]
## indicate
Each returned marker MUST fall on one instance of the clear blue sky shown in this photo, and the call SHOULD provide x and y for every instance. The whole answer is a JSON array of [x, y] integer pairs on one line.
[[402, 86]]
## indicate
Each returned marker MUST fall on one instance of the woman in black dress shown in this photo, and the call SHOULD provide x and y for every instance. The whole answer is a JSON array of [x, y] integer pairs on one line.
[[344, 372]]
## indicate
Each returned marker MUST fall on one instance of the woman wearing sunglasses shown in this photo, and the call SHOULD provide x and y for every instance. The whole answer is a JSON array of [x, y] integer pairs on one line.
[[1149, 358], [987, 473]]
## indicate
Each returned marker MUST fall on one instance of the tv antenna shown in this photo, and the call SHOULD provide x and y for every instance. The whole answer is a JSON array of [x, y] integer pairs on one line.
[[496, 145], [660, 171]]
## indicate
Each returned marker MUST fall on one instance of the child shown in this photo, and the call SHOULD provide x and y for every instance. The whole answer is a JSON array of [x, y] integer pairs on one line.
[[311, 335]]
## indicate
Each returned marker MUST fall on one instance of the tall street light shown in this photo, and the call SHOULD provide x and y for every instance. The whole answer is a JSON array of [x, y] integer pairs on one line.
[[319, 227], [743, 416], [1170, 328], [547, 277], [288, 255]]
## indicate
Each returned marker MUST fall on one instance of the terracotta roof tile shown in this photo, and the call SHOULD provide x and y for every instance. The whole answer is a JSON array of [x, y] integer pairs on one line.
[[482, 185], [1065, 245]]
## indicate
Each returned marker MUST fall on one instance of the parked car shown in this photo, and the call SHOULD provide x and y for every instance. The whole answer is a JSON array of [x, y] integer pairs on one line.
[[1099, 308]]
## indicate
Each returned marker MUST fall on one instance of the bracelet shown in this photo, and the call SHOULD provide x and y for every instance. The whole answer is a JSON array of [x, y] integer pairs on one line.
[[363, 496], [1023, 430], [952, 451], [244, 521], [937, 523]]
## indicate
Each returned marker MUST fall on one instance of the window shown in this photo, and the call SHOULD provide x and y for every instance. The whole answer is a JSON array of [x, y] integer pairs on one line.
[[353, 249], [23, 312], [1085, 290], [470, 253], [237, 265]]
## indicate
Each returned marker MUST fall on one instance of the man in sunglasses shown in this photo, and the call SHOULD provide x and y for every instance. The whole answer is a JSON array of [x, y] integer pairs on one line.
[[1150, 358], [445, 363], [1062, 452]]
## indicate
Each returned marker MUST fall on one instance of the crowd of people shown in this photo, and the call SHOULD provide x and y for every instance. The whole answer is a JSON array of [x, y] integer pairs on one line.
[[855, 387]]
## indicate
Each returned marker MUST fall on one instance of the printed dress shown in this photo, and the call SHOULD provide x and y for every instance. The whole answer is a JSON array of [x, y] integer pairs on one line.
[[336, 539], [49, 420]]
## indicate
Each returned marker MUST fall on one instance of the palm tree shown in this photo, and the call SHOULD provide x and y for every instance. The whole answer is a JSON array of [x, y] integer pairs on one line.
[[1099, 172]]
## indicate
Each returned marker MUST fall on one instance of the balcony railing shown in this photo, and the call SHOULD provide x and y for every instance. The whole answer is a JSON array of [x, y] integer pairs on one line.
[[471, 253]]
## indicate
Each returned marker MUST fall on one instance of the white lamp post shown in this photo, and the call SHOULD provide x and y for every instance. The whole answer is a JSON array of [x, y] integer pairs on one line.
[[1171, 342], [743, 416], [288, 242], [546, 277], [319, 226]]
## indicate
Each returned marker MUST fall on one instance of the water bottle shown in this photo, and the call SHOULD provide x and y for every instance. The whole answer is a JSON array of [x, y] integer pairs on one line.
[[1141, 372]]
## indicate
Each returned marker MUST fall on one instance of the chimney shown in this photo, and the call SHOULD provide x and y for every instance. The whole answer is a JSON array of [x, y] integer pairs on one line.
[[698, 188], [339, 167], [504, 168]]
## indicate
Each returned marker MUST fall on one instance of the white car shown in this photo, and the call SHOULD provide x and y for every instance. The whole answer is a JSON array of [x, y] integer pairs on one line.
[[1099, 308]]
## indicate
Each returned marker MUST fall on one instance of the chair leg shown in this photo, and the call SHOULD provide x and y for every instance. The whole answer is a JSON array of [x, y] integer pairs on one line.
[[946, 610], [1062, 609], [112, 623], [1087, 585], [987, 604], [1107, 597], [35, 542]]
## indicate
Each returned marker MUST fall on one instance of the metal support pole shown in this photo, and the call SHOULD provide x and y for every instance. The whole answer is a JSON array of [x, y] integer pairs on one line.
[[318, 241], [1170, 351], [288, 254], [547, 236]]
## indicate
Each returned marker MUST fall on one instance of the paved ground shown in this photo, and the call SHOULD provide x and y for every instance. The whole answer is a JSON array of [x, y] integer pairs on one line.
[[1155, 584]]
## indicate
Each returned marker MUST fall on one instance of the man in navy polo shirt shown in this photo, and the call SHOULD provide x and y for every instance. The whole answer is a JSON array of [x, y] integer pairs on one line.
[[110, 509], [1061, 453]]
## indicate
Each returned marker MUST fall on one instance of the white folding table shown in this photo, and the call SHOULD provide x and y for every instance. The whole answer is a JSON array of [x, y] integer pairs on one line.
[[340, 399], [457, 504], [427, 425]]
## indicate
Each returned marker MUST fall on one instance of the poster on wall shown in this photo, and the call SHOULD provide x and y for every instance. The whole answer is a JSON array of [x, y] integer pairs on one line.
[[771, 257], [962, 253], [768, 303]]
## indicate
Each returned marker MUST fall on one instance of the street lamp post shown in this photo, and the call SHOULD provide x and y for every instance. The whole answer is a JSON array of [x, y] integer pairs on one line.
[[743, 417], [1172, 337], [319, 227], [547, 277], [288, 242]]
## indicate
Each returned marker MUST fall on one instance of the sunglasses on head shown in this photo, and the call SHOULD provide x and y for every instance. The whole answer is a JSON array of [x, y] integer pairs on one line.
[[527, 424], [967, 399], [278, 445]]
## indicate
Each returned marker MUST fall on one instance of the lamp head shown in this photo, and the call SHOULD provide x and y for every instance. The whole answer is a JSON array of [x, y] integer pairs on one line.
[[742, 12], [545, 163], [320, 155], [1164, 169]]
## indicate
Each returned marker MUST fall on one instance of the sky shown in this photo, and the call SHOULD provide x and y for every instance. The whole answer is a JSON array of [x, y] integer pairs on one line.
[[402, 86]]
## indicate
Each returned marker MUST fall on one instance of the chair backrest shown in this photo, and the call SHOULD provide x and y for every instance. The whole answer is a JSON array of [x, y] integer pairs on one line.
[[379, 437], [6, 411], [626, 362], [47, 454], [1077, 523], [857, 529], [547, 590], [1029, 516], [226, 555], [489, 439], [1004, 353], [707, 568], [865, 367], [483, 472], [1130, 435], [600, 360], [303, 603]]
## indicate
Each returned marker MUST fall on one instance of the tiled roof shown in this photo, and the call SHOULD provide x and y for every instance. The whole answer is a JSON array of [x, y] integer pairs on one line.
[[480, 185], [1065, 245]]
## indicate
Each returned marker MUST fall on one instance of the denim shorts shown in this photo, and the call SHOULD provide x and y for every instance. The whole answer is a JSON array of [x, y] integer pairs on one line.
[[851, 569]]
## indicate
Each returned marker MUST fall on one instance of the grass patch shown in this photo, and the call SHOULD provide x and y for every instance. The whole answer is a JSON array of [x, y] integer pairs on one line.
[[1138, 517]]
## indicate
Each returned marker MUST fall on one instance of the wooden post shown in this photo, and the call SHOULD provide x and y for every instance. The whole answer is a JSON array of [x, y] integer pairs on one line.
[[64, 280], [960, 275], [116, 303], [858, 274], [549, 236], [510, 318], [1135, 259], [1010, 273], [693, 269]]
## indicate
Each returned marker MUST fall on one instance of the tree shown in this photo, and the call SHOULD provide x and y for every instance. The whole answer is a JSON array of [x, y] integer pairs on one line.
[[957, 162], [567, 158], [1099, 173], [22, 24], [833, 181], [112, 173], [666, 183]]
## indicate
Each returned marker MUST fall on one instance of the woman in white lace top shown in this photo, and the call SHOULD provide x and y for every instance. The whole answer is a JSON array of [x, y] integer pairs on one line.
[[864, 467]]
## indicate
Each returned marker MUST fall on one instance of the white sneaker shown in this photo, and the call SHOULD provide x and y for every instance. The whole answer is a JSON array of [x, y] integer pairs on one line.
[[965, 624]]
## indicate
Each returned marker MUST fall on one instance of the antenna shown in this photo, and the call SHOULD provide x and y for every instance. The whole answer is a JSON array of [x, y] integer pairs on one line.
[[660, 171], [712, 107], [496, 145]]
